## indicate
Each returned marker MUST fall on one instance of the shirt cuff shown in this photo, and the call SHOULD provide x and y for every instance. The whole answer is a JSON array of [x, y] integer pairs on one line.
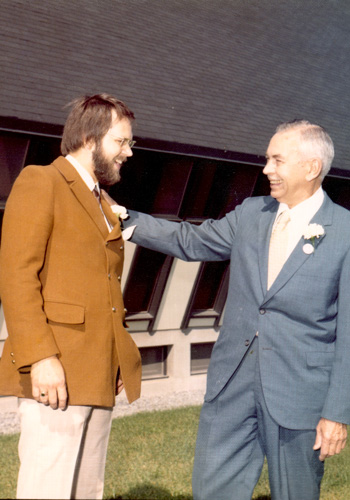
[[128, 232]]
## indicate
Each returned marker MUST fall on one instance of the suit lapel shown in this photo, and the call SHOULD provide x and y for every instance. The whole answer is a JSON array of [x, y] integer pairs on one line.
[[297, 258], [113, 219], [82, 193], [265, 227]]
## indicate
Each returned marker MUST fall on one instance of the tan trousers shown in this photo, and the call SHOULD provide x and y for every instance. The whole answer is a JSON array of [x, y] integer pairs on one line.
[[62, 453]]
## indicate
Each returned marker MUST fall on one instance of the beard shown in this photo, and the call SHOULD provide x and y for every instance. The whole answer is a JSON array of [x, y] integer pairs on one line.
[[104, 169]]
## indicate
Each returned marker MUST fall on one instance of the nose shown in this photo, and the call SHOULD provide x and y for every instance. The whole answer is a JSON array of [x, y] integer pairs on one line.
[[128, 150], [268, 169]]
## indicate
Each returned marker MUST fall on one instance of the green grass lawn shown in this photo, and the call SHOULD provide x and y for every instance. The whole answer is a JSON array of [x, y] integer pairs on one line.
[[150, 457]]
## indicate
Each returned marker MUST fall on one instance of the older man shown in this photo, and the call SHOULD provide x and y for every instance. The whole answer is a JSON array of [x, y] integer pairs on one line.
[[279, 378], [61, 261]]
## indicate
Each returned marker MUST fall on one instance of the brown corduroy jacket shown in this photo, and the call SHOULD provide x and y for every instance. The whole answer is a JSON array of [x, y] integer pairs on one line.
[[60, 273]]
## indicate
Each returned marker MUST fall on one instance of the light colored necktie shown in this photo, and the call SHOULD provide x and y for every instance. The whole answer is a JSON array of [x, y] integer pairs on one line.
[[278, 247]]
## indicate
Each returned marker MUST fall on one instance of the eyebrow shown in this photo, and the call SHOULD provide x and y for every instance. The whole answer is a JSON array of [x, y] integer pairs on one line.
[[278, 156]]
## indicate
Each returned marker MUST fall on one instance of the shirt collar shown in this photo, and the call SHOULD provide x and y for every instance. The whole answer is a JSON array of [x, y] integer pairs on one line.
[[305, 210], [84, 174]]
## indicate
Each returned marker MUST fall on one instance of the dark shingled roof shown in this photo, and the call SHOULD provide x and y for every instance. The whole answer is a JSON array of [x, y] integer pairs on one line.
[[213, 73]]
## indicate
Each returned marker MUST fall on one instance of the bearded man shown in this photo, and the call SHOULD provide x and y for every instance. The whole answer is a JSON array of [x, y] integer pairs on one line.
[[68, 353]]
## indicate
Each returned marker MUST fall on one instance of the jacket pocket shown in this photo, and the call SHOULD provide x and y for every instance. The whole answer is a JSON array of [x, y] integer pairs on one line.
[[320, 358], [59, 312]]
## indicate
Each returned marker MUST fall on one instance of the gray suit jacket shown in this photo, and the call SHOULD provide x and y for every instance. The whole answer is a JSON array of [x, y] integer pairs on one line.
[[303, 320]]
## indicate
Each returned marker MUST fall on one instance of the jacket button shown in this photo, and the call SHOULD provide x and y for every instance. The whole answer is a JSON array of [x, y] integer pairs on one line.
[[246, 343], [119, 278], [122, 248], [13, 361], [109, 276], [262, 311], [11, 354], [125, 310], [114, 309]]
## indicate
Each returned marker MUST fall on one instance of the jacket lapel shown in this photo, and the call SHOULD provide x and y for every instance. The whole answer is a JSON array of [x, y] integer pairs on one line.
[[265, 227], [82, 193], [116, 232], [297, 258]]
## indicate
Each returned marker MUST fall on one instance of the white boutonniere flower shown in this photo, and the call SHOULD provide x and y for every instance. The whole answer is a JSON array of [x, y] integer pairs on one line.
[[120, 211], [312, 232]]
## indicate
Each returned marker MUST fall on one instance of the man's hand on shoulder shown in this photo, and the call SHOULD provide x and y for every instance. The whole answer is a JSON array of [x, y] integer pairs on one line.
[[49, 383], [330, 438]]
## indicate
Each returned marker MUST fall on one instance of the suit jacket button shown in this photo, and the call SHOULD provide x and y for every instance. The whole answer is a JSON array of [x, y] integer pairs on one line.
[[13, 361], [114, 309], [11, 354], [122, 247], [262, 311], [246, 343], [109, 276], [119, 278]]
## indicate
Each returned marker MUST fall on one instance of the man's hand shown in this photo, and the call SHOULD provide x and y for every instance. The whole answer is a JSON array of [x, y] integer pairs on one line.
[[49, 383], [330, 438], [120, 386]]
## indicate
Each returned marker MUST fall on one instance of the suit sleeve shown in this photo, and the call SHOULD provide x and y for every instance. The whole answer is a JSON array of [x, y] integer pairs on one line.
[[337, 404], [211, 241], [27, 226]]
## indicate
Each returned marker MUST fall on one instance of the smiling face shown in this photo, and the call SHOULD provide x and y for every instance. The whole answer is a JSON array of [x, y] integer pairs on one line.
[[290, 173], [110, 153]]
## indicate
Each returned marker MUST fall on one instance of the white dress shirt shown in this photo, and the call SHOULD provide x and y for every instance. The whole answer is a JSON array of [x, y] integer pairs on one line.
[[300, 217]]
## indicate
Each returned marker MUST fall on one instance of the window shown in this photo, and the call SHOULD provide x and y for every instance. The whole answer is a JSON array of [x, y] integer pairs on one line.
[[208, 296], [200, 357], [153, 182], [226, 187], [143, 290], [154, 362], [179, 188], [13, 150]]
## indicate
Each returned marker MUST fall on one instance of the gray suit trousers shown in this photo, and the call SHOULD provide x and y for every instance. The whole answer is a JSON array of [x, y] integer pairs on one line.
[[236, 432]]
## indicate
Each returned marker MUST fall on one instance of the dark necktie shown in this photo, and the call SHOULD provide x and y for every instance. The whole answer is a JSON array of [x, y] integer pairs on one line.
[[97, 195]]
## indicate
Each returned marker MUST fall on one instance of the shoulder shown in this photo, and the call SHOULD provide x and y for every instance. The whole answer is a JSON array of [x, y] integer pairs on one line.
[[260, 202], [35, 182], [340, 211], [40, 176], [33, 173], [257, 205], [340, 215]]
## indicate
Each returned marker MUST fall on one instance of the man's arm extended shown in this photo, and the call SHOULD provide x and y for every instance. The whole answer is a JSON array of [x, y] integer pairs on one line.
[[210, 241]]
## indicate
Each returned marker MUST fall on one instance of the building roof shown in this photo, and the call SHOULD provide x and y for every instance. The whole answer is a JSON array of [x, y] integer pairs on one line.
[[212, 73]]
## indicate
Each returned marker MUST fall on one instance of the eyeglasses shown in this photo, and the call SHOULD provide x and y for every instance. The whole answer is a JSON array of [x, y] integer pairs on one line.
[[123, 141]]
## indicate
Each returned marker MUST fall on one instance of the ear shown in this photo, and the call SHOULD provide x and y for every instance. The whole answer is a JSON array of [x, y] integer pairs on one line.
[[314, 169], [90, 145]]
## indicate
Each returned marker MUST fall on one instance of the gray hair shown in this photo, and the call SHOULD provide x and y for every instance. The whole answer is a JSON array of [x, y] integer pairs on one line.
[[316, 142]]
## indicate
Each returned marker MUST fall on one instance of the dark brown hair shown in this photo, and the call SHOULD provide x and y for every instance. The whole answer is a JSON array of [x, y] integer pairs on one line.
[[90, 119]]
